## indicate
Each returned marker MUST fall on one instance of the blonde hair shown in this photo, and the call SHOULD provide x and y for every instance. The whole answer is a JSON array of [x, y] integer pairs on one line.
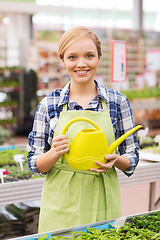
[[75, 34]]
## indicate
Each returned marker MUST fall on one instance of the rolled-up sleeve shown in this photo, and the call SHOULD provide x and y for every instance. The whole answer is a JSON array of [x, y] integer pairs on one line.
[[129, 147], [39, 139]]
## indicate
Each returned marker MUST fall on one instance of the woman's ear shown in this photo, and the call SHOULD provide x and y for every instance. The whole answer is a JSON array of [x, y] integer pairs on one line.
[[62, 59]]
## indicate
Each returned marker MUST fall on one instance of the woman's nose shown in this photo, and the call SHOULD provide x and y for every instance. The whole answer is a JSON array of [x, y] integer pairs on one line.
[[81, 62]]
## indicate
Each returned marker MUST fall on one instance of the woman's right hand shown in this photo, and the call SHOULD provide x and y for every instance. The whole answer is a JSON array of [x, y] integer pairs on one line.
[[46, 160], [60, 145]]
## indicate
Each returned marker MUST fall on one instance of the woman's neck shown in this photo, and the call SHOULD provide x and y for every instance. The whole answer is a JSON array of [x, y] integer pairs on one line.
[[82, 93]]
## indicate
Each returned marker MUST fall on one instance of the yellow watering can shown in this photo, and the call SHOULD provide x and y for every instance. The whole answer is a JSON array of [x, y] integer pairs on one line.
[[90, 145]]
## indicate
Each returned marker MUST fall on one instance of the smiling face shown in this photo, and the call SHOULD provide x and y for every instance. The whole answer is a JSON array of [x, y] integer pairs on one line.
[[81, 60]]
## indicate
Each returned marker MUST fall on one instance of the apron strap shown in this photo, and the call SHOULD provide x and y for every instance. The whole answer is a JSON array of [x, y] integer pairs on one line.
[[64, 107], [104, 105]]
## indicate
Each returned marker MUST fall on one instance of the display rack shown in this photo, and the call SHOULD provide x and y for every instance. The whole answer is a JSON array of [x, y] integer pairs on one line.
[[149, 107], [3, 60], [104, 68], [43, 58], [9, 84], [52, 74]]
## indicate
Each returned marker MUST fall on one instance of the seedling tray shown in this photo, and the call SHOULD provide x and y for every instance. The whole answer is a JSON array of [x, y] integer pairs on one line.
[[67, 232]]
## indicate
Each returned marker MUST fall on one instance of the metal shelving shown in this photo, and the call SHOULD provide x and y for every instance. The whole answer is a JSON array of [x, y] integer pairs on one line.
[[28, 190]]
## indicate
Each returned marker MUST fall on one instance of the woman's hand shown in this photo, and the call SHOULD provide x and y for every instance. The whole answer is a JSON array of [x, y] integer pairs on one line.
[[122, 162], [60, 145], [110, 161], [46, 160]]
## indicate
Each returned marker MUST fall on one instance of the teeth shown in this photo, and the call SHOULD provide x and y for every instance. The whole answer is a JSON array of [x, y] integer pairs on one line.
[[81, 72]]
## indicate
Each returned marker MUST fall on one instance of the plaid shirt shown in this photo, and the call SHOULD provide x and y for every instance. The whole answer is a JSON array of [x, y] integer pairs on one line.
[[48, 111]]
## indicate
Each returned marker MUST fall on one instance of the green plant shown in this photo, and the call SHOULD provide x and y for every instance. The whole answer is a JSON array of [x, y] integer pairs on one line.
[[142, 228], [154, 149], [6, 156], [143, 93], [150, 222], [4, 134], [15, 173]]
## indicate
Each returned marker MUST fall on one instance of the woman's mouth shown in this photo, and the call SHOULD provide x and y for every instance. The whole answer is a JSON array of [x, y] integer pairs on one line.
[[82, 72]]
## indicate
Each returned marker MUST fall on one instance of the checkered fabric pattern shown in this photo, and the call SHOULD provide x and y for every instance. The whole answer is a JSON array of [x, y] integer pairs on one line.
[[48, 111]]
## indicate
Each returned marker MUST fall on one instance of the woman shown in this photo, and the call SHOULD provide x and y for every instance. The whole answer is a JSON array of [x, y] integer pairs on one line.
[[75, 197]]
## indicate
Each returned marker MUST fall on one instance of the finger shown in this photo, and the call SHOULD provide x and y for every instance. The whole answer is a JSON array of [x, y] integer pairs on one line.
[[61, 147], [97, 170], [62, 151], [60, 137], [59, 142], [110, 156], [104, 167], [100, 164]]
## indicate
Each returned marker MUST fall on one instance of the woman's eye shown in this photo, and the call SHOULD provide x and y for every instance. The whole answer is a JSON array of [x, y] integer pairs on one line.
[[72, 57], [90, 56]]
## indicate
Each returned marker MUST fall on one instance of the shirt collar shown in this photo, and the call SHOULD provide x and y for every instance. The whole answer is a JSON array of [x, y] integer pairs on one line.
[[64, 95], [101, 92]]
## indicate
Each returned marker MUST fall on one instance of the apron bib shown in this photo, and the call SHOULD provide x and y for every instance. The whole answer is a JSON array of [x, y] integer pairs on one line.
[[73, 197]]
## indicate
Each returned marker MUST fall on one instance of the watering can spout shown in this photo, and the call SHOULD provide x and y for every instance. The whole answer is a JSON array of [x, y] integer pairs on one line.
[[116, 143]]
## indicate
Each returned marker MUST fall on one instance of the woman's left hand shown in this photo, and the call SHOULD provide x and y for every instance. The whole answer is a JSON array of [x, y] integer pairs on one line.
[[110, 161]]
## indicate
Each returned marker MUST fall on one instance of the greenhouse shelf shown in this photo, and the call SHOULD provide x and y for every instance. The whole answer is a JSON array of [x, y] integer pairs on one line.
[[67, 232], [21, 191], [145, 104], [22, 146], [28, 190]]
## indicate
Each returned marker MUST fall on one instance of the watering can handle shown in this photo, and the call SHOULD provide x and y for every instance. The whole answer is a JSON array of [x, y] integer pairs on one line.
[[79, 119]]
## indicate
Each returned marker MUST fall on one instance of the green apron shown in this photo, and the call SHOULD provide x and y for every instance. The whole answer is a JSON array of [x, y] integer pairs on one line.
[[73, 197]]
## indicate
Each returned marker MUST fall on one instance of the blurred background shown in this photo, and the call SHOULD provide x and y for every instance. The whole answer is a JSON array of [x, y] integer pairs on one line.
[[30, 69]]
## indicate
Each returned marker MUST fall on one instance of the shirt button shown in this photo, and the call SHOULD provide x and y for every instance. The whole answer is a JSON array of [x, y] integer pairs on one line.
[[71, 106]]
